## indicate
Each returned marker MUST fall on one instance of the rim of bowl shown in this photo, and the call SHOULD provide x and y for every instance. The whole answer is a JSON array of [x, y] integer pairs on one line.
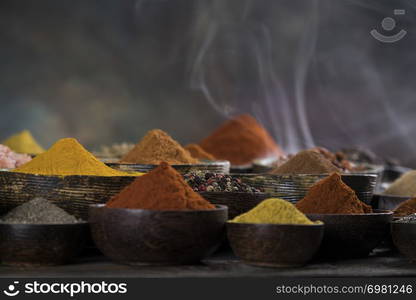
[[218, 207], [202, 163], [392, 196], [275, 225], [245, 193], [379, 213], [45, 225], [305, 175], [69, 176]]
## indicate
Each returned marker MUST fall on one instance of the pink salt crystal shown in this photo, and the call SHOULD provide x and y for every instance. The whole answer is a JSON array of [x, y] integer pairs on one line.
[[10, 159]]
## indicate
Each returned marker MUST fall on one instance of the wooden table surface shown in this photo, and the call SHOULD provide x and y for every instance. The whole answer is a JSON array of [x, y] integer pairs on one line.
[[223, 264]]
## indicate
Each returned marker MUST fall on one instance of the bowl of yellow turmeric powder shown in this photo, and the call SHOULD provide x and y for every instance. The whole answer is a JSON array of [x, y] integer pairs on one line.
[[67, 174], [275, 234]]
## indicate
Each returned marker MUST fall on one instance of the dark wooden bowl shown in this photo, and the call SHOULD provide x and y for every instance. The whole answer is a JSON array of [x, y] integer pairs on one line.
[[220, 167], [241, 169], [237, 202], [137, 236], [275, 245], [354, 235], [41, 244], [404, 238], [387, 202], [72, 193], [390, 174], [294, 187]]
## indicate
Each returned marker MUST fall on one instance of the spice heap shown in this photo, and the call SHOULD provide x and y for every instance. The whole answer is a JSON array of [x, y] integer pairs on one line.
[[158, 146], [306, 162], [38, 211], [23, 142], [114, 151], [405, 208], [10, 159], [274, 211], [163, 188], [332, 196], [240, 141], [405, 185], [68, 157], [199, 153], [408, 219], [212, 182]]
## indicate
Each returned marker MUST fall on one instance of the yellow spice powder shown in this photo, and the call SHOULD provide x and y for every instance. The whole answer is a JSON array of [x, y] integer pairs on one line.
[[68, 157], [274, 211], [23, 142]]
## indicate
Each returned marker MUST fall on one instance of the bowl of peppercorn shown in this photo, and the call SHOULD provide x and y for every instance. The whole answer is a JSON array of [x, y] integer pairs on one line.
[[221, 189]]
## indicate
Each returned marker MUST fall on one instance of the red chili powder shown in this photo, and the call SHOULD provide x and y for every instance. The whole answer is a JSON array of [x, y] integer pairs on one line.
[[241, 140], [332, 196], [163, 188]]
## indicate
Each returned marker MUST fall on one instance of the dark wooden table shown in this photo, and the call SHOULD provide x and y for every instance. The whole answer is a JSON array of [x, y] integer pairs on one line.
[[223, 264]]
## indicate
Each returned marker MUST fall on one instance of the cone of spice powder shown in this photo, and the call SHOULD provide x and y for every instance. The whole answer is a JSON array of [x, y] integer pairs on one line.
[[405, 208], [157, 146], [199, 153], [240, 141], [332, 196], [23, 142], [405, 185], [163, 188], [306, 162]]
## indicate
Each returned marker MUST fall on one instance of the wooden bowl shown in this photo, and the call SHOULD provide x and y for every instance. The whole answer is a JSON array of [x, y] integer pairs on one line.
[[150, 237], [294, 187], [72, 193], [237, 202], [390, 174], [353, 235], [404, 238], [275, 245], [387, 202], [220, 167], [41, 244], [234, 169]]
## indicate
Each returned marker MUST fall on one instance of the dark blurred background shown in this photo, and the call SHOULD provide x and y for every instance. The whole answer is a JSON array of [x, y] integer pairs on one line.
[[108, 71]]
